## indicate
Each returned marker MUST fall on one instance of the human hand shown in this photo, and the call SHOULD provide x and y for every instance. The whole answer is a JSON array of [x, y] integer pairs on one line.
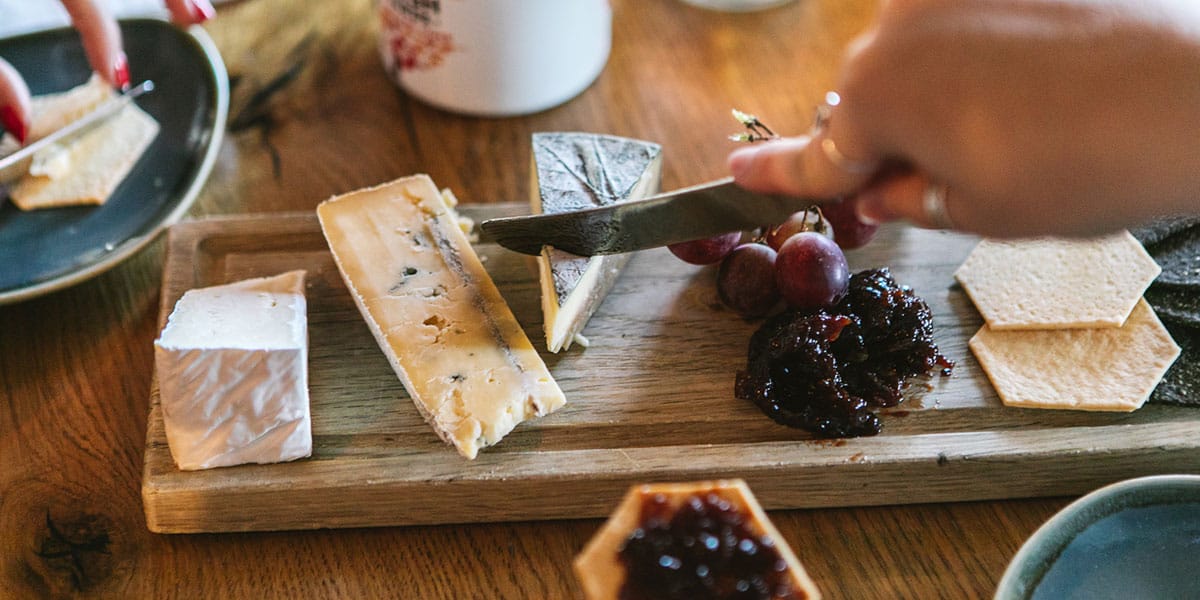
[[1063, 117], [102, 43]]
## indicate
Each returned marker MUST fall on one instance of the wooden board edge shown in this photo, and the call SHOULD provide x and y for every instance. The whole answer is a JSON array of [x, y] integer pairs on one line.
[[587, 495]]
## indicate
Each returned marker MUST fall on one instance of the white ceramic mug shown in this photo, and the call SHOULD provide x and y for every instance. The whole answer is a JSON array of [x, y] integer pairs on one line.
[[495, 57]]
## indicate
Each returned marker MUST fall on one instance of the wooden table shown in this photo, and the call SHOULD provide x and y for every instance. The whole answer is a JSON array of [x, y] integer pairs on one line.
[[313, 115]]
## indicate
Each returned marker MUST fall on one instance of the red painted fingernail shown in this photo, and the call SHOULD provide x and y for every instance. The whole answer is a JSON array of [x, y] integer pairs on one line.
[[121, 71], [13, 124], [201, 10]]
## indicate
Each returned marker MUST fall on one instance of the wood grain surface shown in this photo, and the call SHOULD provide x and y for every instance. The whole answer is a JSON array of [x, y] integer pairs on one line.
[[651, 399], [313, 115]]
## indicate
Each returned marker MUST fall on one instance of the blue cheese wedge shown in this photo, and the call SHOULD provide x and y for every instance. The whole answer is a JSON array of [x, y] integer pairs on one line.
[[232, 367], [436, 314], [573, 171]]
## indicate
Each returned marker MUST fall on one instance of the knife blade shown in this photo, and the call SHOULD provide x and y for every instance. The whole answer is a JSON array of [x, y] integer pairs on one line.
[[17, 164], [682, 215]]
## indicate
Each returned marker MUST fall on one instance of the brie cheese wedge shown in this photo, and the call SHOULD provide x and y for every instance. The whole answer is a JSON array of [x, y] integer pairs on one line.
[[573, 171], [232, 368]]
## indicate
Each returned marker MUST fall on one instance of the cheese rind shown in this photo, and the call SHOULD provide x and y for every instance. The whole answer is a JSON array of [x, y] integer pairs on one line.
[[436, 314], [573, 171], [232, 367]]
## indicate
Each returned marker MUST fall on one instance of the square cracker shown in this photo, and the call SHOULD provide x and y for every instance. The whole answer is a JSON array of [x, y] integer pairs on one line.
[[51, 112], [1053, 283], [1111, 369], [93, 164]]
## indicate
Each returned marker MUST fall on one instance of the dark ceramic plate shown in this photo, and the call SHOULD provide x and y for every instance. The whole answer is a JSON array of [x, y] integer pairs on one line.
[[1134, 539], [46, 250]]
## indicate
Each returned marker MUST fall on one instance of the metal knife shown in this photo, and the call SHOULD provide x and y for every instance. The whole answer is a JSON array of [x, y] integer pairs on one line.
[[17, 164], [687, 214]]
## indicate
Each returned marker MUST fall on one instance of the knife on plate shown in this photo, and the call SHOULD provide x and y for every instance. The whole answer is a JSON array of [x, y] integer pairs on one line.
[[17, 164], [691, 213]]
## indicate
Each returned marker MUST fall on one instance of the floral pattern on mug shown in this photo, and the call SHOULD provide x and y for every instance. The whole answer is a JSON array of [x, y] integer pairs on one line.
[[410, 42]]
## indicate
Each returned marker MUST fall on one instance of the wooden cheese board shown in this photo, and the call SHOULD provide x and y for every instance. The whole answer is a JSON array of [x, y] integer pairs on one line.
[[651, 399]]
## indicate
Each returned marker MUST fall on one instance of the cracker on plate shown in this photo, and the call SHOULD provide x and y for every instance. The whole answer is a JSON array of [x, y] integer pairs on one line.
[[86, 171], [92, 166]]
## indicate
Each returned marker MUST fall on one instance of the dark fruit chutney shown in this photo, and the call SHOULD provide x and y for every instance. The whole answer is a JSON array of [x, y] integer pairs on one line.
[[827, 370], [705, 550]]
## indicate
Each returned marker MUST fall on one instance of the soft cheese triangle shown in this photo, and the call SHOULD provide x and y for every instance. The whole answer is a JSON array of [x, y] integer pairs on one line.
[[232, 367], [436, 313], [572, 171]]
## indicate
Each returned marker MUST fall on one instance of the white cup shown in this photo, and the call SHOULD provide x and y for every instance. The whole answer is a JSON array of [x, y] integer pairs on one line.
[[495, 57]]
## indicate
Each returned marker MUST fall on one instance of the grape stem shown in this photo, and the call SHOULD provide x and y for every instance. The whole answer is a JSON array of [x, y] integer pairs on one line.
[[757, 130]]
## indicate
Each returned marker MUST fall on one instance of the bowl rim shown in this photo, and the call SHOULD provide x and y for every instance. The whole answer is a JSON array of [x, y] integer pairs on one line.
[[1035, 557]]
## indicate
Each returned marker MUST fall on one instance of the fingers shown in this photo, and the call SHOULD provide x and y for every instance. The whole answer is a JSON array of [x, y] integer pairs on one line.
[[801, 166], [190, 12], [14, 102], [101, 40], [900, 197], [840, 156], [912, 196]]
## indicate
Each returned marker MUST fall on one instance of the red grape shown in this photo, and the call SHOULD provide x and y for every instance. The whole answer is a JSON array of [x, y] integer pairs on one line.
[[708, 250], [811, 271], [849, 231], [805, 220], [746, 280]]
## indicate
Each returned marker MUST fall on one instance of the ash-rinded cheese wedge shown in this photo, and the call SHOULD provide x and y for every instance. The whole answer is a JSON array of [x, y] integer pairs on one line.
[[436, 313], [572, 171], [232, 367]]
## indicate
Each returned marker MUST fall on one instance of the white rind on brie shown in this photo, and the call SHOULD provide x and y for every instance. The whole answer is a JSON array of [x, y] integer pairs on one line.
[[232, 367], [436, 314], [573, 171]]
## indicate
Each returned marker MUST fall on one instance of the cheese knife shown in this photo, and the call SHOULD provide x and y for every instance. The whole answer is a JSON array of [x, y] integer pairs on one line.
[[691, 213], [17, 164]]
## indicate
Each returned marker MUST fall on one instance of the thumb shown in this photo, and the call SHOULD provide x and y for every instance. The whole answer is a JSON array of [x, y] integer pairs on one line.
[[811, 166]]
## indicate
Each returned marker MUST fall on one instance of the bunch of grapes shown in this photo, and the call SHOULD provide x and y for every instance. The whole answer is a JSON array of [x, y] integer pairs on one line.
[[797, 261]]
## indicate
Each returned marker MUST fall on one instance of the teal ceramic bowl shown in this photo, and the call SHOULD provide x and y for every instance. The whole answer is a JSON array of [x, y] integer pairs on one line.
[[1133, 539]]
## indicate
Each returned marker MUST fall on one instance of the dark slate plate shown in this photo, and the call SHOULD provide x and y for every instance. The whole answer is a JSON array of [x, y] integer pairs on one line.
[[1162, 228], [1174, 242], [46, 250], [1179, 257], [1181, 383], [1175, 304]]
